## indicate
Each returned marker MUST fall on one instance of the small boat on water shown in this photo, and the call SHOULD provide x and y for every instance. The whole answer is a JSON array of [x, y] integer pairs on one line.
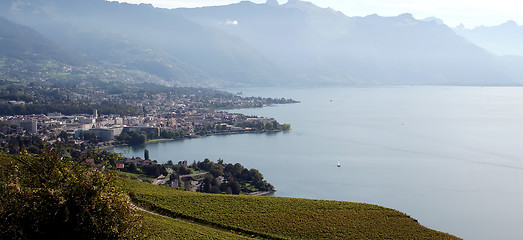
[[339, 164]]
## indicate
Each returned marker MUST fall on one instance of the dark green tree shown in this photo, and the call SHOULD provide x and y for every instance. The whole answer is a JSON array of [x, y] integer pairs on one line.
[[269, 126], [194, 165], [245, 175], [146, 154], [63, 136], [206, 184], [183, 170], [132, 168], [50, 197], [216, 170], [151, 170], [235, 187], [215, 189]]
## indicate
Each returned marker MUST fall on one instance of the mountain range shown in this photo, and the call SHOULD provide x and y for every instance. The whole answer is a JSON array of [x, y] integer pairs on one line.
[[19, 41], [505, 39], [248, 44]]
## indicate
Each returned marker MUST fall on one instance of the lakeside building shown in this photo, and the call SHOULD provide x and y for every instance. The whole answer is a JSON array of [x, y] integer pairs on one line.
[[102, 134]]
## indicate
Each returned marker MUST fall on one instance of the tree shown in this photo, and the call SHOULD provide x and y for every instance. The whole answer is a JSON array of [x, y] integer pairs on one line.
[[151, 170], [140, 139], [124, 137], [33, 149], [237, 170], [132, 168], [206, 184], [163, 170], [216, 170], [183, 170], [255, 176], [215, 189], [269, 126], [63, 136], [235, 187], [146, 154], [245, 175], [104, 157], [133, 138], [49, 197], [194, 165]]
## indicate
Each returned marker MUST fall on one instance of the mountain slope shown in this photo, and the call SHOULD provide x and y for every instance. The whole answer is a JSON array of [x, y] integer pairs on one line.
[[23, 43], [202, 53], [315, 43], [28, 56], [248, 44], [504, 39]]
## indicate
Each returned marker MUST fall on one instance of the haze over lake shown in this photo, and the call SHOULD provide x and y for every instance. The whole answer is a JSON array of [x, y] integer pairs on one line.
[[451, 157]]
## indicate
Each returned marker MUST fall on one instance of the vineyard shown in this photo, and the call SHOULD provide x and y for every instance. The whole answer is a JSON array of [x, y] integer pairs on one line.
[[281, 218], [159, 227]]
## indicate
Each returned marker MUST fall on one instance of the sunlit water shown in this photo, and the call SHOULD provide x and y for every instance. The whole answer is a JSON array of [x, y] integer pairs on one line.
[[451, 157]]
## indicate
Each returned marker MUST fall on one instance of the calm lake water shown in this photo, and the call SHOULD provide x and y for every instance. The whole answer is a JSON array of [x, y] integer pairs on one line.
[[451, 157]]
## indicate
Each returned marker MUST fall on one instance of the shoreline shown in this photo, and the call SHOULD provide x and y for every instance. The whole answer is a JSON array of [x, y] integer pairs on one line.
[[264, 193], [153, 141]]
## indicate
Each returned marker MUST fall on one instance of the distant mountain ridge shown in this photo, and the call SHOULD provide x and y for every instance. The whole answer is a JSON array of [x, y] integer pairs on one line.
[[322, 44], [504, 39], [249, 44]]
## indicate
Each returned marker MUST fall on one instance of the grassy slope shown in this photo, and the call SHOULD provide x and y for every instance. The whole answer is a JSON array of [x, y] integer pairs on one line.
[[160, 227], [274, 217]]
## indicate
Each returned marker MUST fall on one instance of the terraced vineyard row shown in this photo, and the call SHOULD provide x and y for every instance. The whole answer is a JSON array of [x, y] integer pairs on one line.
[[160, 227], [275, 217]]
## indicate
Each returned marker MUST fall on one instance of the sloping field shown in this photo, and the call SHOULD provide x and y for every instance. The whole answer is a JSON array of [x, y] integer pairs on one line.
[[160, 227], [281, 218]]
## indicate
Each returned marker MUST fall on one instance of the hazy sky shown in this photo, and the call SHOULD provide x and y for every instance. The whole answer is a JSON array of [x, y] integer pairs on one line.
[[453, 12]]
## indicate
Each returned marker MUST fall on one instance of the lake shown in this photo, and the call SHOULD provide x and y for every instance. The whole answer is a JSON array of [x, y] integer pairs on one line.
[[451, 157]]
